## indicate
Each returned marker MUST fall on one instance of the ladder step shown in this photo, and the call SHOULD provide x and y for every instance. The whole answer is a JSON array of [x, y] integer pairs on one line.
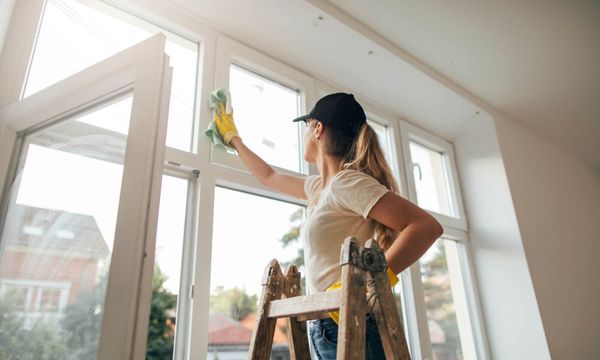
[[306, 304]]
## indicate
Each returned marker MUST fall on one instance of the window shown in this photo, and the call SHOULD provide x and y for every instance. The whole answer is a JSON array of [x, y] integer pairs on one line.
[[266, 96], [432, 176], [430, 173], [50, 300], [248, 232], [74, 35], [384, 143], [447, 314], [167, 268], [440, 299], [263, 112], [68, 181], [30, 298]]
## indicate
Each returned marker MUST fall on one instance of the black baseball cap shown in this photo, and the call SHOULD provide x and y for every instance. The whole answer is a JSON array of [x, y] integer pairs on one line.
[[340, 111]]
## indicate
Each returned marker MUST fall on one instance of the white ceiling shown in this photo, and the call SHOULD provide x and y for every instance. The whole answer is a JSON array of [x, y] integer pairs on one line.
[[535, 62]]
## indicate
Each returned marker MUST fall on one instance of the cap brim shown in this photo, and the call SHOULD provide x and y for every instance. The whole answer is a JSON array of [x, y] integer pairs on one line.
[[302, 118]]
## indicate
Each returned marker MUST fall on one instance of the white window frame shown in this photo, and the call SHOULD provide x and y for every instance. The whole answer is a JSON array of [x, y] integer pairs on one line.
[[231, 52], [454, 229], [411, 132], [143, 71], [185, 297]]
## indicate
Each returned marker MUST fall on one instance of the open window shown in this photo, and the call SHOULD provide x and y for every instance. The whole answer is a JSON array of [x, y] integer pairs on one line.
[[75, 34], [80, 205]]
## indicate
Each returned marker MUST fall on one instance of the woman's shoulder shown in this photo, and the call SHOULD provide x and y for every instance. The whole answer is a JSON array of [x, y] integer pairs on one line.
[[350, 180], [347, 175]]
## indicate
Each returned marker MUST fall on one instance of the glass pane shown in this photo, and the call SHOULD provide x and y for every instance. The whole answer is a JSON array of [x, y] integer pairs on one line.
[[431, 179], [265, 229], [74, 36], [382, 137], [447, 313], [58, 236], [167, 268], [263, 112]]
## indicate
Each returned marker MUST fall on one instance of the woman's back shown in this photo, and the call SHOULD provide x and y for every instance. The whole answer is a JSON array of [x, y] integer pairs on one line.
[[335, 212]]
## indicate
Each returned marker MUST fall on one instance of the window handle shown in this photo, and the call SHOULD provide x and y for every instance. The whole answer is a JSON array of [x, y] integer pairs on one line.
[[416, 165]]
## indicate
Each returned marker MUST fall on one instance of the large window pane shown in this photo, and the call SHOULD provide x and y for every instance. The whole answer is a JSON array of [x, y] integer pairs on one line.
[[58, 236], [74, 36], [449, 324], [249, 231], [167, 268], [263, 112], [430, 173]]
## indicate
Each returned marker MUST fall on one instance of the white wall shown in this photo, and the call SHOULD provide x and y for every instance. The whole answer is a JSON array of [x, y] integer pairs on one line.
[[6, 9], [557, 202], [508, 302]]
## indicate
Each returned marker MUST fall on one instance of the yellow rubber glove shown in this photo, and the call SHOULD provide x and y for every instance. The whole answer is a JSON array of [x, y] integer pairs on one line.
[[225, 124], [335, 315]]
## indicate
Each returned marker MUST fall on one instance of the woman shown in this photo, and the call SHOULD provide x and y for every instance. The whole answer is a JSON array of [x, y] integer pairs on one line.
[[354, 194]]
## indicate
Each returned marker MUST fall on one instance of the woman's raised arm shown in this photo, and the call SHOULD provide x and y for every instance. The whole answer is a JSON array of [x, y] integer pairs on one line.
[[288, 184]]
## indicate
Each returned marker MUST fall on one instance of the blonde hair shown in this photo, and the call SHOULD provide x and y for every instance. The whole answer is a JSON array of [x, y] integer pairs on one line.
[[364, 154]]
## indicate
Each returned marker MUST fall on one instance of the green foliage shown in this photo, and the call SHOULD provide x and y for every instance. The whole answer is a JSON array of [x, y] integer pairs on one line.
[[234, 302], [77, 334], [40, 342], [291, 237], [438, 295], [294, 233], [161, 332], [82, 321]]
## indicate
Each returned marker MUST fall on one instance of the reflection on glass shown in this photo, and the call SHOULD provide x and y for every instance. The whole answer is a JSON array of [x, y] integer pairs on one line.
[[263, 111], [75, 35], [431, 179], [248, 232], [449, 324], [167, 268], [58, 236]]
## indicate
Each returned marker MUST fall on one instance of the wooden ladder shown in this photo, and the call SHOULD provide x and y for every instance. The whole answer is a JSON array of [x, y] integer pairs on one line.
[[361, 267]]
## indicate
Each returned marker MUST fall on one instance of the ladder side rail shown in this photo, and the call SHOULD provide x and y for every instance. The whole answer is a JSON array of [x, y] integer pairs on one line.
[[264, 330], [352, 327], [296, 330], [386, 314]]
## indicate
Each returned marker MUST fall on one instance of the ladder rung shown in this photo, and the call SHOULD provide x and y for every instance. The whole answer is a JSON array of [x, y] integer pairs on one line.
[[299, 305]]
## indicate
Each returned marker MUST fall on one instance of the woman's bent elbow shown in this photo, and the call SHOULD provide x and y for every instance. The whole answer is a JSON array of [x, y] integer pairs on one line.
[[436, 228]]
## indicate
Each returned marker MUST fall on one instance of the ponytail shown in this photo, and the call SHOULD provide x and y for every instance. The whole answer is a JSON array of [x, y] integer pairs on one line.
[[364, 154]]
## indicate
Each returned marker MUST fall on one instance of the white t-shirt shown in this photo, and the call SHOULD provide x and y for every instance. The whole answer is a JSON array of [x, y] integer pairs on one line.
[[334, 213]]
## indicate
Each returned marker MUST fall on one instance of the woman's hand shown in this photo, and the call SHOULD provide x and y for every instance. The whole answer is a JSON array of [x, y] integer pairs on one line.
[[225, 124]]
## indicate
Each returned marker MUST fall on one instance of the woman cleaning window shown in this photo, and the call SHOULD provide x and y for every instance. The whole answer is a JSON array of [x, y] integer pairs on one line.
[[354, 194]]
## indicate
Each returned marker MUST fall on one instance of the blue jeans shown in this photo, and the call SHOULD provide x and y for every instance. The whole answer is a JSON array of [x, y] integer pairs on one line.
[[324, 334]]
